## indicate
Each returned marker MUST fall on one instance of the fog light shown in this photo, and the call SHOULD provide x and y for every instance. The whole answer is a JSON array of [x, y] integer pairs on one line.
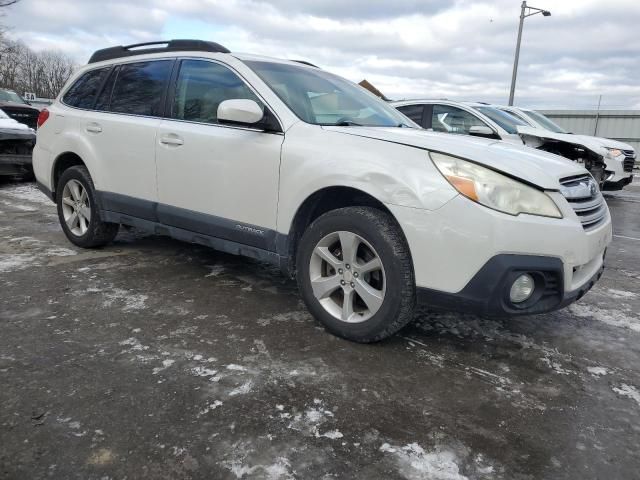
[[522, 288]]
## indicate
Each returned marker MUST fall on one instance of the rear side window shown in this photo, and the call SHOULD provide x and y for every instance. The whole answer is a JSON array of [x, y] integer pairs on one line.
[[414, 112], [82, 93], [202, 86], [139, 88]]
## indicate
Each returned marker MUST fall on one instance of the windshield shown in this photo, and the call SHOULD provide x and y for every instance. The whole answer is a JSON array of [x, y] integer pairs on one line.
[[321, 98], [508, 122], [8, 96], [544, 122]]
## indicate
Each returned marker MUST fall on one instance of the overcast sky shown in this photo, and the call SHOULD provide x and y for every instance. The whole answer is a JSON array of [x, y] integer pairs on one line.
[[459, 49]]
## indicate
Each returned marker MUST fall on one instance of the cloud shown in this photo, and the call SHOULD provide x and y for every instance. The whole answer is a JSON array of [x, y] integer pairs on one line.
[[408, 48]]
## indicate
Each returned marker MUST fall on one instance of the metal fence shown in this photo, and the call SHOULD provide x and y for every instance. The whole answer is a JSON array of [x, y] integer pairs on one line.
[[622, 125]]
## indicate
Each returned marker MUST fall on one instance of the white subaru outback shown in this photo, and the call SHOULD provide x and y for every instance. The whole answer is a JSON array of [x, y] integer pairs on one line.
[[286, 163]]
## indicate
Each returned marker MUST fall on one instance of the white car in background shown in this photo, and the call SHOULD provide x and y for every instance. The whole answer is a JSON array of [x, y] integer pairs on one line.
[[484, 120], [619, 157]]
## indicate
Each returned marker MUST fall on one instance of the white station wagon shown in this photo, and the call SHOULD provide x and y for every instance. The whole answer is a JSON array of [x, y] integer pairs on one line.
[[286, 163]]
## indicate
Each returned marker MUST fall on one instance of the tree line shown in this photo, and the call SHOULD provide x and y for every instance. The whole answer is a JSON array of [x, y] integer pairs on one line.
[[24, 70]]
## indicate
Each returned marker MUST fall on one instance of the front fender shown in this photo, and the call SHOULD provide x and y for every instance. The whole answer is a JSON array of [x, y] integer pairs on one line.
[[392, 173]]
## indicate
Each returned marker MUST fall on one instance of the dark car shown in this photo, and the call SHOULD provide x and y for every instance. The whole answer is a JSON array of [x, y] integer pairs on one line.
[[16, 147], [18, 108]]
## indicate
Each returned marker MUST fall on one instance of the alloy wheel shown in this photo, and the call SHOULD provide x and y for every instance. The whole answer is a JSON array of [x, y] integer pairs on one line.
[[76, 207], [347, 277]]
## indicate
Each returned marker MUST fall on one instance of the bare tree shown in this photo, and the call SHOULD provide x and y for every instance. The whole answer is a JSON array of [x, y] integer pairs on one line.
[[23, 70]]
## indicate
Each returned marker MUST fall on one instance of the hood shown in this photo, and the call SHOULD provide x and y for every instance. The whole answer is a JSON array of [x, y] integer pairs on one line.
[[606, 142], [597, 145], [11, 124], [533, 166], [588, 142]]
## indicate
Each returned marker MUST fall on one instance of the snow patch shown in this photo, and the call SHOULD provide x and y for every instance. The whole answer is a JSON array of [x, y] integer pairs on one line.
[[134, 343], [17, 206], [279, 470], [12, 262], [628, 391], [611, 317], [621, 293], [131, 301], [209, 407], [597, 371], [238, 368], [556, 366], [30, 193], [165, 364], [416, 464], [332, 434], [201, 371], [242, 389]]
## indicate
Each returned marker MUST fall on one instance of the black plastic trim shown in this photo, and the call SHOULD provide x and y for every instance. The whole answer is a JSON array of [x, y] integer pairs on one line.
[[487, 293], [46, 191], [162, 215], [619, 185], [221, 244]]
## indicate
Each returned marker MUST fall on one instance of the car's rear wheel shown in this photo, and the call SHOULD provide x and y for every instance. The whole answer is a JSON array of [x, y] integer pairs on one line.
[[78, 210], [355, 275]]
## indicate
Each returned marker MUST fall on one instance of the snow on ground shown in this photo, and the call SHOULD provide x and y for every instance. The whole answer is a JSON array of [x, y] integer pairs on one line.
[[414, 463], [628, 391], [28, 192], [610, 316]]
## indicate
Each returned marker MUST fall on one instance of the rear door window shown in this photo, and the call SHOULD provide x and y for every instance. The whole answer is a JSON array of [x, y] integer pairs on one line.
[[139, 88], [414, 112], [82, 93]]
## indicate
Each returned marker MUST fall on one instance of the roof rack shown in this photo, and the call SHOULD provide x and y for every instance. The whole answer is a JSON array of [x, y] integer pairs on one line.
[[304, 62], [156, 47]]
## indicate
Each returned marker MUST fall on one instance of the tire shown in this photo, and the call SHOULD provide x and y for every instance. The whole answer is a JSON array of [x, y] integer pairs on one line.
[[321, 262], [86, 232]]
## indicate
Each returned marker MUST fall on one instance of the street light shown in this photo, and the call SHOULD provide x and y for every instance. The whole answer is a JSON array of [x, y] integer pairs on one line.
[[524, 13]]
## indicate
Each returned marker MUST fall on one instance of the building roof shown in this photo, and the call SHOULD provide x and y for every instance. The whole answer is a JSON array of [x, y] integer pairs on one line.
[[366, 84]]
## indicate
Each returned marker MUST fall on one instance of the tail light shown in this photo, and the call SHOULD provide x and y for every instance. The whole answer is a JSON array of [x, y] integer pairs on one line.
[[42, 117]]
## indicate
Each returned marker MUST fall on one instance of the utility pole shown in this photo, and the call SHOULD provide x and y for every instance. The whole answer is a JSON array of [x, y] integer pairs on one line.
[[525, 12]]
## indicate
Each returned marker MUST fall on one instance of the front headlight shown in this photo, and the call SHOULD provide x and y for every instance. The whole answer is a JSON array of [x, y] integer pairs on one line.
[[493, 190], [614, 152]]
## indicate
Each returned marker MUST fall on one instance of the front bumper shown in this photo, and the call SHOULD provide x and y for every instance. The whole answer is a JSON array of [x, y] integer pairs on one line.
[[615, 173], [488, 291], [619, 184]]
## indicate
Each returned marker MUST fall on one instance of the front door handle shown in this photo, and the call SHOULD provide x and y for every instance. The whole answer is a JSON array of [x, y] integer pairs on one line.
[[171, 140], [93, 127]]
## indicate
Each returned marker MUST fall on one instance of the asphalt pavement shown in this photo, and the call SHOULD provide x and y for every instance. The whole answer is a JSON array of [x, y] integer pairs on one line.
[[152, 358]]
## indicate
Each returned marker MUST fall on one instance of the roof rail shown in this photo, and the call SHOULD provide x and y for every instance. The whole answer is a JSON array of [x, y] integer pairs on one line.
[[156, 47], [304, 62]]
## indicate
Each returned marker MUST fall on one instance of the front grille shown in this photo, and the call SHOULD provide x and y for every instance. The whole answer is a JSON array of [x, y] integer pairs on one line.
[[583, 194], [629, 161], [27, 116]]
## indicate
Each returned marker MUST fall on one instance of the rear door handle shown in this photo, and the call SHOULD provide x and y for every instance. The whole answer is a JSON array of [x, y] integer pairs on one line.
[[93, 127], [171, 140]]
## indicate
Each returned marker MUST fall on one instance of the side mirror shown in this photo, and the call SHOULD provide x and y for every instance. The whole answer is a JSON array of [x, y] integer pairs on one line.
[[240, 111], [482, 131]]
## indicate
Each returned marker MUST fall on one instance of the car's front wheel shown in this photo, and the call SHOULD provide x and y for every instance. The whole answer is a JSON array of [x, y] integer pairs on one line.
[[78, 210], [355, 274]]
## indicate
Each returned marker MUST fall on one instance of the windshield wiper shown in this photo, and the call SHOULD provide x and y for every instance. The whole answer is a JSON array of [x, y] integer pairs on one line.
[[347, 123]]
